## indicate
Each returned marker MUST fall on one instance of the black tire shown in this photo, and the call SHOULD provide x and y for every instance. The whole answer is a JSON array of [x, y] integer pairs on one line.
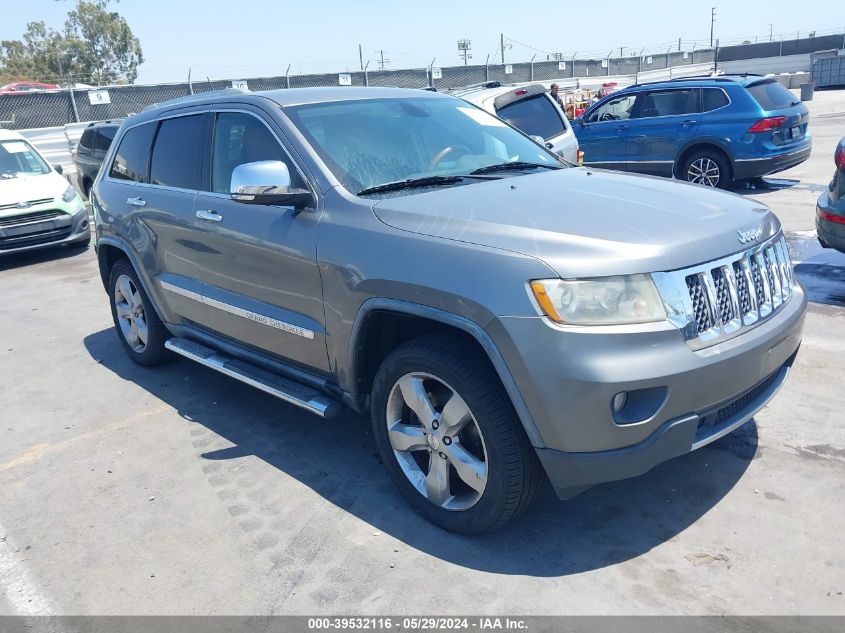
[[725, 176], [153, 353], [514, 474]]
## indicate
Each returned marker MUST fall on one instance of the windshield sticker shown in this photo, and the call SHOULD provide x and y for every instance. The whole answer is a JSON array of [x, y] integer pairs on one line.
[[480, 116], [15, 147]]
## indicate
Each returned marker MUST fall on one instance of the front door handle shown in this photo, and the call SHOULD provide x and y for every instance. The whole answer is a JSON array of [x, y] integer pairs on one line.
[[210, 214], [136, 202], [689, 122]]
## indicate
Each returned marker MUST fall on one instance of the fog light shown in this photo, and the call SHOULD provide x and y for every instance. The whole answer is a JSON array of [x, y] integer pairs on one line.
[[83, 225], [619, 401]]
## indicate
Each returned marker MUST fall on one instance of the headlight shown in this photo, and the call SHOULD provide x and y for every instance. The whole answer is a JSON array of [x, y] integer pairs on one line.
[[70, 194], [601, 301]]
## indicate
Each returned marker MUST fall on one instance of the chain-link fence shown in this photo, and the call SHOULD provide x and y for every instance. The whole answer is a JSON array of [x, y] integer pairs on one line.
[[49, 109]]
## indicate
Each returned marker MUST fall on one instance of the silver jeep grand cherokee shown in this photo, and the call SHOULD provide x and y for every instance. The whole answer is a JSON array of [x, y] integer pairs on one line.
[[498, 313]]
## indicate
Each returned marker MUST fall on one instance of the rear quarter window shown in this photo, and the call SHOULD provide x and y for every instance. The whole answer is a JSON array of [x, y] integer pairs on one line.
[[130, 161], [105, 135], [536, 116], [87, 139], [713, 99], [772, 96]]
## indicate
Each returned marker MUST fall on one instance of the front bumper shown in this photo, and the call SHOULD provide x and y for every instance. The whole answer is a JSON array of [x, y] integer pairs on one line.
[[756, 167], [569, 379], [65, 224]]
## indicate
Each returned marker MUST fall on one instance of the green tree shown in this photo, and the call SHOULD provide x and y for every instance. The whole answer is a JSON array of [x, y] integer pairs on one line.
[[97, 46], [102, 43]]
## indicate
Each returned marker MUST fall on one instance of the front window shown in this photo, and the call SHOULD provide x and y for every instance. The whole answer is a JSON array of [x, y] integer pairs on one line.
[[616, 109], [18, 158], [371, 142], [535, 116]]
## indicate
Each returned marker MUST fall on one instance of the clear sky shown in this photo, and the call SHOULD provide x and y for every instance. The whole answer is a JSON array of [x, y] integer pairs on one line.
[[234, 39]]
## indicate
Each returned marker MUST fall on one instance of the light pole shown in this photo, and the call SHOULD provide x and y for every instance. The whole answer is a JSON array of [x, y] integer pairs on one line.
[[712, 20]]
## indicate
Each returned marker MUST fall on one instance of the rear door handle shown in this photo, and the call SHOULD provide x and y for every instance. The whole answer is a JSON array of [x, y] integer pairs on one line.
[[689, 122], [210, 214], [136, 202]]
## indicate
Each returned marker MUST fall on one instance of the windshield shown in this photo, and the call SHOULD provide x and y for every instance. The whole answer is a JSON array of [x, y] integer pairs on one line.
[[372, 142], [17, 158]]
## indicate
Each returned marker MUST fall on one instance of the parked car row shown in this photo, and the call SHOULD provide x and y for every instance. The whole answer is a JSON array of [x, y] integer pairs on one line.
[[500, 315]]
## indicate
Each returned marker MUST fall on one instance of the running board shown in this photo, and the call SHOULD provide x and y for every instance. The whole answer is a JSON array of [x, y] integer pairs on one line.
[[283, 388]]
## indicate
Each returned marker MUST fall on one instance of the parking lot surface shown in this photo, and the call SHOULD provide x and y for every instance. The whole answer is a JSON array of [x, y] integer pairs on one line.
[[177, 490]]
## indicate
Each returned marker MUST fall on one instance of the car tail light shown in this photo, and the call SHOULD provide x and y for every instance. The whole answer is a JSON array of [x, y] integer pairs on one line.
[[839, 157], [580, 157], [836, 219], [768, 124]]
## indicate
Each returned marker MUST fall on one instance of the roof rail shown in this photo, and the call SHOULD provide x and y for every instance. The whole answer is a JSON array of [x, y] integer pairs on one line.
[[198, 97], [723, 78]]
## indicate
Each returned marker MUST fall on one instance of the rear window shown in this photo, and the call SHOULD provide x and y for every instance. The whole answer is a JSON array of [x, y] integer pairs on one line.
[[130, 162], [713, 98], [772, 96], [87, 140], [105, 135], [176, 153], [536, 116]]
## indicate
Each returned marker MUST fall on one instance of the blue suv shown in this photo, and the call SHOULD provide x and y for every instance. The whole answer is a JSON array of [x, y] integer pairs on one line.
[[708, 130]]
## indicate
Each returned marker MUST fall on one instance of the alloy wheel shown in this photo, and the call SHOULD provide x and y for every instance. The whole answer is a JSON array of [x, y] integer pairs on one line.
[[131, 318], [704, 171], [437, 441]]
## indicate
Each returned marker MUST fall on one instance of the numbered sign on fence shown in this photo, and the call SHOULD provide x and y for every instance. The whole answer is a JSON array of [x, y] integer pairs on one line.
[[561, 65], [508, 69], [436, 73], [648, 60], [344, 79], [99, 97], [686, 55], [604, 63], [241, 84]]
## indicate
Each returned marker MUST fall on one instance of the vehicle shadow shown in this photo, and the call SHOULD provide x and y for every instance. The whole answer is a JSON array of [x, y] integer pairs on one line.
[[42, 255], [337, 459], [757, 186]]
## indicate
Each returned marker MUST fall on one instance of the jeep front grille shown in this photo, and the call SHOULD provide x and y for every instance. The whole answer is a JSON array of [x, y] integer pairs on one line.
[[726, 297]]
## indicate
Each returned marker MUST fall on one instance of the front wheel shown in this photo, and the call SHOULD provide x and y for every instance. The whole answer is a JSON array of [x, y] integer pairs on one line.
[[450, 438], [708, 168]]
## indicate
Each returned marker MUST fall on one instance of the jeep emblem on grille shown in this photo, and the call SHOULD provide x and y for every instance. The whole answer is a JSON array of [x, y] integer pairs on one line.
[[749, 236]]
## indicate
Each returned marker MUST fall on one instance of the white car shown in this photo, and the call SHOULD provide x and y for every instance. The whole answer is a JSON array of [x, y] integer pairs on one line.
[[530, 109], [38, 207]]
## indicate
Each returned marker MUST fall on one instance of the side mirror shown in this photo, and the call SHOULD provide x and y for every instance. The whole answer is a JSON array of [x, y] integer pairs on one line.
[[580, 120], [59, 169], [267, 182]]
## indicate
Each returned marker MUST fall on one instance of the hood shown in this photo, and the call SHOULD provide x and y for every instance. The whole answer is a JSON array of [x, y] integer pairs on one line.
[[587, 222], [30, 188]]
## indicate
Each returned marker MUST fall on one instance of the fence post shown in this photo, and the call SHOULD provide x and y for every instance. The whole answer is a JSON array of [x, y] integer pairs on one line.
[[781, 46], [532, 67], [73, 105], [487, 68], [287, 77]]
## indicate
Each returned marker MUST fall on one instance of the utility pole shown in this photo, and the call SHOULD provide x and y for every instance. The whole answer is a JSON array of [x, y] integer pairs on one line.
[[464, 47], [502, 45], [770, 32], [360, 57], [382, 61], [621, 49], [712, 20], [679, 44]]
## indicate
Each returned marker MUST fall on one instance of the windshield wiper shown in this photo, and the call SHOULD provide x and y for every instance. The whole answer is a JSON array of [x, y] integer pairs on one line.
[[515, 165], [412, 183]]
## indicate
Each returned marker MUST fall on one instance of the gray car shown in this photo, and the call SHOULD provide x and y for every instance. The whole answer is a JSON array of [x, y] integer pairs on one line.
[[501, 315]]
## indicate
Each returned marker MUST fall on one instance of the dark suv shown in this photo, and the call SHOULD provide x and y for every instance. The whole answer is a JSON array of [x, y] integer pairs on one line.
[[708, 130], [91, 150]]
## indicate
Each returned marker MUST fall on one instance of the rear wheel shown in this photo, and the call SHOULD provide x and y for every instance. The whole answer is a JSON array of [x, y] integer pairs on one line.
[[708, 168], [139, 329], [450, 438]]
